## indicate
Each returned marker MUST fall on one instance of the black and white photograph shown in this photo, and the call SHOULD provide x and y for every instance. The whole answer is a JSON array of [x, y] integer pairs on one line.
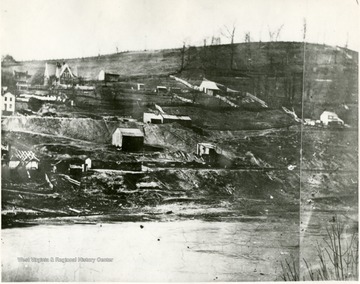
[[179, 140]]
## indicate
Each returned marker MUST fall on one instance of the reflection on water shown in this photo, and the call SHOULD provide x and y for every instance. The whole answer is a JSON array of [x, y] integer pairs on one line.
[[151, 251]]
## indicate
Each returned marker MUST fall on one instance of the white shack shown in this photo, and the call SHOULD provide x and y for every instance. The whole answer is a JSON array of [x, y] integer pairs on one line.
[[205, 149], [140, 86], [329, 117], [153, 118], [209, 87], [128, 139]]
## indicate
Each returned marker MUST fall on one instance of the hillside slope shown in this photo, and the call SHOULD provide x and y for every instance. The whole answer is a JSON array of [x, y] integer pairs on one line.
[[272, 71]]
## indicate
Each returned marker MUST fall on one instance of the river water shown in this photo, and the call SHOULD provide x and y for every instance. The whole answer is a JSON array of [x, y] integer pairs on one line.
[[189, 250]]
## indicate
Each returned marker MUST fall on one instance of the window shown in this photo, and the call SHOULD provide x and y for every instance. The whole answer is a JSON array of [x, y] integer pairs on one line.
[[5, 99], [10, 99], [10, 106]]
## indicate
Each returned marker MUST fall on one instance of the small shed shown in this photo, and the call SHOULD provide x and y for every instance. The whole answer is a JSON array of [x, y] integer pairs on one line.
[[14, 162], [161, 89], [108, 77], [328, 117], [87, 164], [153, 118], [140, 86], [128, 139], [32, 164], [208, 151], [209, 87], [205, 149]]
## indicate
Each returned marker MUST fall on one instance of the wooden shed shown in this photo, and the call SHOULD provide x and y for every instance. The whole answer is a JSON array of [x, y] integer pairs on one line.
[[128, 139]]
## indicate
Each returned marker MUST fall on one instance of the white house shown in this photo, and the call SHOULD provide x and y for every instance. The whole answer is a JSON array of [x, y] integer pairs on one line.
[[209, 87], [88, 163], [8, 102], [328, 116]]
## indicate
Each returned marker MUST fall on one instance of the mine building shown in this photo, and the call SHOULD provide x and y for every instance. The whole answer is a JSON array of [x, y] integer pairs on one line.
[[108, 77], [7, 103], [166, 118], [207, 151], [153, 118], [128, 139], [329, 118], [209, 87], [28, 159]]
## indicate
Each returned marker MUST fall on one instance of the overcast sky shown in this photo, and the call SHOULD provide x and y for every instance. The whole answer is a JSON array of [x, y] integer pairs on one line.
[[45, 29]]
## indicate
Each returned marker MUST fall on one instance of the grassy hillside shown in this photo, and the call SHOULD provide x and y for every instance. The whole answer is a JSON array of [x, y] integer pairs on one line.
[[273, 71]]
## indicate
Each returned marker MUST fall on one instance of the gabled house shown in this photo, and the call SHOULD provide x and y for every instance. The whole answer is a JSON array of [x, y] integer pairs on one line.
[[329, 117], [59, 74], [26, 158], [209, 87], [21, 77], [67, 75], [7, 103]]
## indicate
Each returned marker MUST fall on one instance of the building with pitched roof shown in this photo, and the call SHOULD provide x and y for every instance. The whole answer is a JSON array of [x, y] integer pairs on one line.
[[128, 139], [209, 87], [329, 117], [7, 103], [25, 158], [59, 74], [108, 77]]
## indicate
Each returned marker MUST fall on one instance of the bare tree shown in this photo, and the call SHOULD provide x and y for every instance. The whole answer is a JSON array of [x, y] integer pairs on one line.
[[230, 34], [182, 57], [247, 37], [215, 40], [271, 34], [278, 32], [275, 34], [304, 29]]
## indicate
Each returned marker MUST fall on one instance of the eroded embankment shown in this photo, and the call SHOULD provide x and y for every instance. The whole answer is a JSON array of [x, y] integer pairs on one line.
[[87, 129]]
